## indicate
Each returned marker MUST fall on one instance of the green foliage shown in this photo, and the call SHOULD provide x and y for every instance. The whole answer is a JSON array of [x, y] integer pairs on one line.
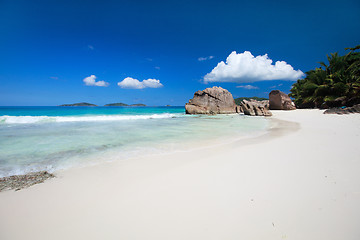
[[340, 89], [238, 100], [309, 88], [339, 79]]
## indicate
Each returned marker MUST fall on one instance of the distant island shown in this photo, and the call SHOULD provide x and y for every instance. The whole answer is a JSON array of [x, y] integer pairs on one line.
[[238, 100], [124, 105], [85, 104], [116, 105], [82, 104]]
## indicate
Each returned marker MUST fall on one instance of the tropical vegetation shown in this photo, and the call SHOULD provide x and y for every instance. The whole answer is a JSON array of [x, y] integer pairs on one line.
[[334, 84]]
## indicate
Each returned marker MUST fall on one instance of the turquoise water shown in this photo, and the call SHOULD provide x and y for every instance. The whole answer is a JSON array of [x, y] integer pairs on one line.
[[53, 138]]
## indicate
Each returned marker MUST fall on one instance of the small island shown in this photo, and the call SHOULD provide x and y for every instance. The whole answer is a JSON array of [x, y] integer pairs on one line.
[[137, 105], [124, 105], [116, 105], [82, 104]]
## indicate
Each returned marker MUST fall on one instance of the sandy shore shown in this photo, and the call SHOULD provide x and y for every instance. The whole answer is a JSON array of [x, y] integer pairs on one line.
[[300, 181]]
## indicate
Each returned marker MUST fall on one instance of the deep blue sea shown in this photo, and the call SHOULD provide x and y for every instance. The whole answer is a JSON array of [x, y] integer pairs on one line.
[[55, 138]]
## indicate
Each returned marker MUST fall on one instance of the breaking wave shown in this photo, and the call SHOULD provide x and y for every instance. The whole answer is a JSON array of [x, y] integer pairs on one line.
[[42, 119]]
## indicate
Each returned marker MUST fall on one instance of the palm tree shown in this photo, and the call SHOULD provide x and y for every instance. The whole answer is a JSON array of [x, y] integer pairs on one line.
[[340, 79]]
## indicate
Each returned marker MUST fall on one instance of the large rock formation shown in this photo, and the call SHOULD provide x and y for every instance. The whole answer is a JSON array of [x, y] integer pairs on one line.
[[255, 108], [347, 110], [215, 100], [280, 101], [341, 102]]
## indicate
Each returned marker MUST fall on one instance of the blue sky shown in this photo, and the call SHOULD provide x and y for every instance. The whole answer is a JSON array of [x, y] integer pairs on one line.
[[48, 48]]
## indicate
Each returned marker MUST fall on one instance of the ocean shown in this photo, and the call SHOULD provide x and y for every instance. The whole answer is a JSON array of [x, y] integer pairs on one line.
[[57, 138]]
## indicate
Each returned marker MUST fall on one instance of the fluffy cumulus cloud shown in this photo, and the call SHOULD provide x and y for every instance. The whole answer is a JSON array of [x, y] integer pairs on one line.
[[244, 67], [200, 59], [249, 87], [91, 81], [136, 84]]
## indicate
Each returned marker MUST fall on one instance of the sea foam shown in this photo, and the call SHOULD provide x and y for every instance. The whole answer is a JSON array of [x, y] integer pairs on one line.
[[43, 119]]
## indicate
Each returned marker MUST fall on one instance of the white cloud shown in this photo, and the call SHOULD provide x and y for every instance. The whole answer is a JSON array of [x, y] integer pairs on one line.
[[244, 67], [205, 58], [136, 84], [279, 85], [158, 68], [152, 83], [91, 81], [91, 47], [249, 87]]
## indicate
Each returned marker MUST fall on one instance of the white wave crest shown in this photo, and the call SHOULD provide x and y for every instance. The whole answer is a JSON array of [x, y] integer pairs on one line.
[[40, 119]]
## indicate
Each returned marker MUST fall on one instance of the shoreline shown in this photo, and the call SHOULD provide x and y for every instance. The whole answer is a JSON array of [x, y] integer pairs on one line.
[[26, 180], [92, 143], [297, 184]]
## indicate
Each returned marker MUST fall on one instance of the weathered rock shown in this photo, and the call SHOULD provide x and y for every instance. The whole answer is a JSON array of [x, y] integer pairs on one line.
[[352, 101], [256, 108], [338, 102], [280, 101], [239, 109], [215, 100], [306, 105], [248, 109], [18, 182], [347, 110]]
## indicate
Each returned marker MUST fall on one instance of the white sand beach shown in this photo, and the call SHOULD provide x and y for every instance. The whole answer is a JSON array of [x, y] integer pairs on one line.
[[299, 181]]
